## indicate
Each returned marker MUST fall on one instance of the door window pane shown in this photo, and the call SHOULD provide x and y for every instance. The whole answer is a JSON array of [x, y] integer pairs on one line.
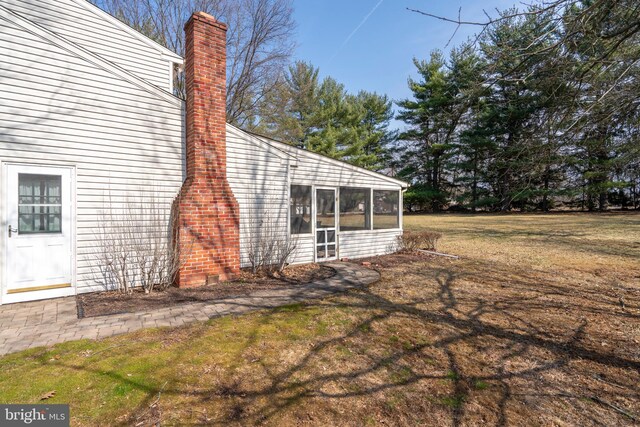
[[385, 209], [355, 206], [39, 203], [321, 252], [300, 209], [325, 208], [325, 244], [39, 189], [331, 251]]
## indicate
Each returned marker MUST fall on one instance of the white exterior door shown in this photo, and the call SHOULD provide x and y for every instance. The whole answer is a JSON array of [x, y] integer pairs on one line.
[[326, 231], [38, 233]]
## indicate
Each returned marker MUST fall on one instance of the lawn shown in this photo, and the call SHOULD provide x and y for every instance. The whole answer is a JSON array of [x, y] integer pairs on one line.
[[538, 323]]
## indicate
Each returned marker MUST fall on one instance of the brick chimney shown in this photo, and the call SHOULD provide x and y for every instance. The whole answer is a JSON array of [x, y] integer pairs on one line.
[[208, 213]]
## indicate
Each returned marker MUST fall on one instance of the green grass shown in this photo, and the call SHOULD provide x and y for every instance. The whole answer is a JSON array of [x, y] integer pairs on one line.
[[290, 308], [117, 375], [453, 401], [480, 385], [452, 375], [401, 375]]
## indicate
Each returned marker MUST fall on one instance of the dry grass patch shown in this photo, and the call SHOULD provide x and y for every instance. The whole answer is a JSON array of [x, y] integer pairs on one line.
[[526, 328], [604, 244]]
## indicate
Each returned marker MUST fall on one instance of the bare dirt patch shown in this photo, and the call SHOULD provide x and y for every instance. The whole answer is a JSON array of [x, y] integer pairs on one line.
[[105, 303]]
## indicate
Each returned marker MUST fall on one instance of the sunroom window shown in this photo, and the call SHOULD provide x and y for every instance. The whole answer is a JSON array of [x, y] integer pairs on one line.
[[386, 209], [355, 208], [300, 209]]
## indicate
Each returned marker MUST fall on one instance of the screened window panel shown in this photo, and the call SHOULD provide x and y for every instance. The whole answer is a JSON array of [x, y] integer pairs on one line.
[[386, 209], [355, 208], [300, 209], [325, 208]]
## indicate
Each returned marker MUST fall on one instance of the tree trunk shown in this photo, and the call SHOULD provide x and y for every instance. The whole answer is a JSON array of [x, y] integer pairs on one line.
[[474, 184], [602, 201], [435, 203], [545, 196], [505, 178]]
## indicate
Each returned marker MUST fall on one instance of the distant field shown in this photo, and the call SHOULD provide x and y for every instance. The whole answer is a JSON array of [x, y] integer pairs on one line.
[[605, 243], [537, 324]]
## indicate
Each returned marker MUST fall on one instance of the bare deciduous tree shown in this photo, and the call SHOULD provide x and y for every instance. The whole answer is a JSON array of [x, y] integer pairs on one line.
[[259, 41]]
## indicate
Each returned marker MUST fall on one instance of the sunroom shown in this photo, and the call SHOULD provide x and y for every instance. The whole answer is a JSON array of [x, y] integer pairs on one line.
[[328, 217], [328, 208]]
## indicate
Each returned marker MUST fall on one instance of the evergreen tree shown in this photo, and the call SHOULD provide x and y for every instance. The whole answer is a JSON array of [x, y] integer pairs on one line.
[[472, 145], [288, 112], [322, 117], [543, 110], [433, 115], [375, 114]]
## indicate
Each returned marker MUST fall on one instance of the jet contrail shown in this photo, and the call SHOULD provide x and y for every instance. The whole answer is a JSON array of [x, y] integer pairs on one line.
[[355, 30]]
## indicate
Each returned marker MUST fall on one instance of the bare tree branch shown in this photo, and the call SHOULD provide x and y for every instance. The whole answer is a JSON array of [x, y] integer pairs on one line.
[[259, 41]]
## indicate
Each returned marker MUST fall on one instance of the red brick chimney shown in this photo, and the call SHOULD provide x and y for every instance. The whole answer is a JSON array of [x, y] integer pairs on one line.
[[208, 213]]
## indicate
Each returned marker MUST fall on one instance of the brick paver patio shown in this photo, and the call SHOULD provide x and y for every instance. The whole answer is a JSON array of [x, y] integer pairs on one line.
[[44, 323]]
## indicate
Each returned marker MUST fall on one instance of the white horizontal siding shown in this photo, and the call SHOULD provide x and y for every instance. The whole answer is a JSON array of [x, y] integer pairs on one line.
[[305, 249], [314, 171], [318, 171], [360, 244], [124, 142], [257, 166], [96, 34], [258, 179]]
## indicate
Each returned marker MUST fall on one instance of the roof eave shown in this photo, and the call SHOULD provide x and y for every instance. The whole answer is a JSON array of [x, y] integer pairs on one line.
[[272, 141], [166, 54]]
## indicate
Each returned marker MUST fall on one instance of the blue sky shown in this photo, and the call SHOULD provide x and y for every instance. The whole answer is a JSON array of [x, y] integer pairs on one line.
[[378, 56]]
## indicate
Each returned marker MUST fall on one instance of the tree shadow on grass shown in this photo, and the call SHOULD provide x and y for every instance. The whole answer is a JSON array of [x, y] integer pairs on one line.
[[534, 357]]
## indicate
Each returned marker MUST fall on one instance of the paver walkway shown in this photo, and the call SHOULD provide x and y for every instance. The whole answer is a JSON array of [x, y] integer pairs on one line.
[[44, 323]]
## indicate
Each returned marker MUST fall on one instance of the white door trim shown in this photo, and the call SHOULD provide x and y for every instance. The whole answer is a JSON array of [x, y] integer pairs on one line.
[[315, 222], [34, 295]]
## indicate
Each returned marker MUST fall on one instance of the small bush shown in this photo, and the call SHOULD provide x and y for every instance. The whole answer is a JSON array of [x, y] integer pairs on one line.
[[414, 240], [422, 197]]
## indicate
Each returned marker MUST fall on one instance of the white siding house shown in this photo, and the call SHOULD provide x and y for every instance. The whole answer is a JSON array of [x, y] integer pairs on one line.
[[261, 173], [63, 107], [88, 27], [88, 123]]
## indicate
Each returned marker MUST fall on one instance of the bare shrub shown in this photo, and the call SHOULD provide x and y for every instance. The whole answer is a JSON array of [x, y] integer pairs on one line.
[[136, 246], [269, 244], [413, 240]]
